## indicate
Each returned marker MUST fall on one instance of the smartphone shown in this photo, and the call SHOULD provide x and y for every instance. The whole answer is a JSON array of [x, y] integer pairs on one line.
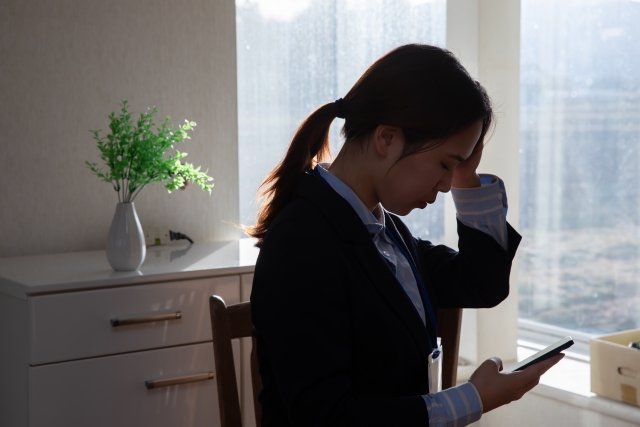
[[544, 354]]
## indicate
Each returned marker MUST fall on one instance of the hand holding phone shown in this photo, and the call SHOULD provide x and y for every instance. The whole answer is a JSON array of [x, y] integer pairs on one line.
[[497, 388], [545, 353]]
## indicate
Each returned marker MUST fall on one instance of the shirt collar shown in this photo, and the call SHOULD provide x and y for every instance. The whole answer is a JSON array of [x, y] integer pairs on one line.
[[373, 220]]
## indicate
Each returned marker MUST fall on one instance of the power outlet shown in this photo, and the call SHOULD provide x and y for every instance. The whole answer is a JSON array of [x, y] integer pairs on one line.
[[154, 235]]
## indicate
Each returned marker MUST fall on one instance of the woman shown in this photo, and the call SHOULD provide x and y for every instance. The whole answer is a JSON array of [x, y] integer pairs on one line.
[[344, 297]]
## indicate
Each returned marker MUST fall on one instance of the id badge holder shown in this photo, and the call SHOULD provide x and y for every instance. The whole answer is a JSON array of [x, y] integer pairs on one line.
[[435, 369]]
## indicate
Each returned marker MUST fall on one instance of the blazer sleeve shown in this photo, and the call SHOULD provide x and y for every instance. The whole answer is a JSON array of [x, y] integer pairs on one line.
[[300, 310], [476, 276]]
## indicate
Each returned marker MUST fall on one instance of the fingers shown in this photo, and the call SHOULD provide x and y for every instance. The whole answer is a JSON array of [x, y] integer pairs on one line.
[[531, 376], [492, 364], [524, 389], [498, 362], [545, 365], [479, 146], [497, 389], [487, 369]]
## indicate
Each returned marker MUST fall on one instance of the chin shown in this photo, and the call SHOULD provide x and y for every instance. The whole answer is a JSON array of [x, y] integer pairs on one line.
[[401, 211]]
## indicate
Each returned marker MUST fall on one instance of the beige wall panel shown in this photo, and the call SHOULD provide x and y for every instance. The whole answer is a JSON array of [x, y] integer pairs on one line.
[[64, 66], [499, 72], [485, 35], [534, 410]]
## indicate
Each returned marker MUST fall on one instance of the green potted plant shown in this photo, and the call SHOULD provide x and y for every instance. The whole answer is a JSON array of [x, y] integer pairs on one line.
[[134, 154]]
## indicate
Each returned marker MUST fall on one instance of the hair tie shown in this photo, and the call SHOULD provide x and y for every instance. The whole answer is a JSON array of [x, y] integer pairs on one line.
[[338, 107]]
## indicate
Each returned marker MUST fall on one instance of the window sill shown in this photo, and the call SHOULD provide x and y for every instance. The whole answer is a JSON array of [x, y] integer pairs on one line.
[[569, 382]]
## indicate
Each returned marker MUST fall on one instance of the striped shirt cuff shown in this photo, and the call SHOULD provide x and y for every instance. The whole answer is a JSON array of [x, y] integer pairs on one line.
[[490, 199], [454, 407], [484, 208]]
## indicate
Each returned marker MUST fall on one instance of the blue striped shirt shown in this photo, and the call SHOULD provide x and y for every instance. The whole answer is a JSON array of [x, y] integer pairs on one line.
[[483, 208]]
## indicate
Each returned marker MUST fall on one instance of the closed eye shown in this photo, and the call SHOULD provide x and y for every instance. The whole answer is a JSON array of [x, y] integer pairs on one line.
[[444, 166]]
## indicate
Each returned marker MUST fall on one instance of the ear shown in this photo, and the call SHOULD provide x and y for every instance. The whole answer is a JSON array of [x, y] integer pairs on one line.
[[387, 139]]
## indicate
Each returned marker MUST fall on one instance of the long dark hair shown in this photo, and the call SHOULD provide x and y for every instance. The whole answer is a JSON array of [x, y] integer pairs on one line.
[[420, 88]]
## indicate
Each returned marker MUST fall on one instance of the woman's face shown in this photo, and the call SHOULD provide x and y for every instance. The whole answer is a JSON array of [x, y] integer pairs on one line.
[[415, 180]]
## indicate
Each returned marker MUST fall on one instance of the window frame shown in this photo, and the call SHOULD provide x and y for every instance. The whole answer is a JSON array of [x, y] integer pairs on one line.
[[485, 36]]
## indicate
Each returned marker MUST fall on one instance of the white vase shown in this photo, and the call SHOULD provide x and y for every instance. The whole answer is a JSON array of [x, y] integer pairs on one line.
[[125, 245]]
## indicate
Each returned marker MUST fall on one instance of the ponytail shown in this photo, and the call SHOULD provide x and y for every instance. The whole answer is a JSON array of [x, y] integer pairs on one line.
[[310, 145]]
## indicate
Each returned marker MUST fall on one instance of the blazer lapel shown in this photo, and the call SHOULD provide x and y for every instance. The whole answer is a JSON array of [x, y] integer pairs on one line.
[[349, 227], [388, 287], [413, 254]]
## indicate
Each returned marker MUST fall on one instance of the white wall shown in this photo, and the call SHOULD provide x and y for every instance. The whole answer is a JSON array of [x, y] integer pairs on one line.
[[485, 35], [535, 410], [64, 66]]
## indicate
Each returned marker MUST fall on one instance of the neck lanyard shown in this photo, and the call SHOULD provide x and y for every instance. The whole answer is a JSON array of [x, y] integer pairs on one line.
[[426, 303]]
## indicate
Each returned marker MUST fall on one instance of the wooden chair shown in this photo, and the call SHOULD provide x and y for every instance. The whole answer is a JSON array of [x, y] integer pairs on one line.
[[449, 323], [228, 323], [234, 321]]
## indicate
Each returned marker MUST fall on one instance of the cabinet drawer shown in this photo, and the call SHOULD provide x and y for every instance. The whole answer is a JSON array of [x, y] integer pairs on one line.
[[79, 325], [110, 391]]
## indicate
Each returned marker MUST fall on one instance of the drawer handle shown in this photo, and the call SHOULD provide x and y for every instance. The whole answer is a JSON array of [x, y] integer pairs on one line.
[[179, 380], [627, 372], [145, 319]]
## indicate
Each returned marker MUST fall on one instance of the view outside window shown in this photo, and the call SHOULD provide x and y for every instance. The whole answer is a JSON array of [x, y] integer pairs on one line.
[[579, 261], [295, 55]]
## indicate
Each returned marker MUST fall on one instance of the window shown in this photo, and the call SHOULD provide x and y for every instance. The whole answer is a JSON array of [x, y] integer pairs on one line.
[[295, 55], [579, 264]]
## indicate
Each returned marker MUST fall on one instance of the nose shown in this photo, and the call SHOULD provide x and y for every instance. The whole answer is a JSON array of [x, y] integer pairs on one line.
[[444, 185]]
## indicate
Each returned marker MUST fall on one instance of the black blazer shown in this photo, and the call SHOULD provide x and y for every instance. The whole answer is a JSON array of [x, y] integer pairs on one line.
[[339, 342]]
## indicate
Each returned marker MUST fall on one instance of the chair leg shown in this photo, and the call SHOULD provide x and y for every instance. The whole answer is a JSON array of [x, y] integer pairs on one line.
[[228, 400], [449, 324], [256, 381]]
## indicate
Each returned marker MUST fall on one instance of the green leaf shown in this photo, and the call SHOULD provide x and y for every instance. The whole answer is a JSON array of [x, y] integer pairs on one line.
[[136, 154]]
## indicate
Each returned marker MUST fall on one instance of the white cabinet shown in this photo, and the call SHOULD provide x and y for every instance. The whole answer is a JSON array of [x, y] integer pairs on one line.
[[79, 342], [78, 325], [111, 391]]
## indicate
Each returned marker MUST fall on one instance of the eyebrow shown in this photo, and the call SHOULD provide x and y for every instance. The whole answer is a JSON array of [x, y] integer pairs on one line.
[[457, 157]]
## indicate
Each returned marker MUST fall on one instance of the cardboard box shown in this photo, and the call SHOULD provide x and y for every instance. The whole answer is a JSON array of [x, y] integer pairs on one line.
[[615, 368]]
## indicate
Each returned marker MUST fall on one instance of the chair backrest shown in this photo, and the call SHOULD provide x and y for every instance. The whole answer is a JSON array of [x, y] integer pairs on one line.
[[228, 323], [234, 321], [449, 323]]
